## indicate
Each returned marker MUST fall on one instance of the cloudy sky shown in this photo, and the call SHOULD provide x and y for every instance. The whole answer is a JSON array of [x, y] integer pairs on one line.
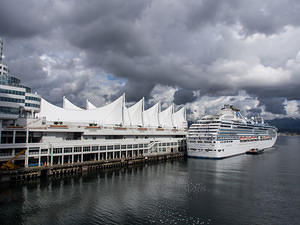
[[197, 53]]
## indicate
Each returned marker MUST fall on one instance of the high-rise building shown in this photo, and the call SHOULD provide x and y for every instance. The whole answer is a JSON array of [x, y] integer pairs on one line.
[[16, 100]]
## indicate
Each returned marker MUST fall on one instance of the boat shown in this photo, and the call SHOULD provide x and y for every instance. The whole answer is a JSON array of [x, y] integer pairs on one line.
[[255, 151], [228, 133]]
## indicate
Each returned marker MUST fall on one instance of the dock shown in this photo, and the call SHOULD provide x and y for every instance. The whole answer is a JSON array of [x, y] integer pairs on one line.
[[30, 173]]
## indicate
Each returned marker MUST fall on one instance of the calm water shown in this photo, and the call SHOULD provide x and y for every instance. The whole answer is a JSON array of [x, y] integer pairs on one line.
[[246, 189]]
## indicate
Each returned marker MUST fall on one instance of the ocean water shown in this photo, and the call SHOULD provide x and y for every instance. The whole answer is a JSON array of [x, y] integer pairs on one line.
[[247, 189]]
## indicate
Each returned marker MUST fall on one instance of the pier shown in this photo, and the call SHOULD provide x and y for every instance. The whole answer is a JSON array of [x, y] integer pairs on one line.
[[31, 173]]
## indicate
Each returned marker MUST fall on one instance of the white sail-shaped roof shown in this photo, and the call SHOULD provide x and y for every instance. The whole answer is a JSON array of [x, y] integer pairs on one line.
[[150, 116], [115, 113], [179, 118], [133, 114], [89, 105], [165, 117], [109, 114], [69, 105], [126, 117]]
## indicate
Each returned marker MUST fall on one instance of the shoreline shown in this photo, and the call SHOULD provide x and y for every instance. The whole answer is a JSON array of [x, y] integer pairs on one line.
[[32, 173], [288, 134]]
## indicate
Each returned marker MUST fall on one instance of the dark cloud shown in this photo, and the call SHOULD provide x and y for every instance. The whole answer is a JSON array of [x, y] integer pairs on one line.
[[119, 37], [254, 17], [183, 96], [208, 12], [291, 92], [273, 105], [217, 47], [23, 19]]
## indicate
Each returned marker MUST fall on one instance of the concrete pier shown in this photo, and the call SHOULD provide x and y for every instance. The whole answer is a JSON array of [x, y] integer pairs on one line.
[[84, 167]]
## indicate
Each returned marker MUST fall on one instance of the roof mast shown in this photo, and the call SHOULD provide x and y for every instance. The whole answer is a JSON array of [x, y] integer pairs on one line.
[[1, 50]]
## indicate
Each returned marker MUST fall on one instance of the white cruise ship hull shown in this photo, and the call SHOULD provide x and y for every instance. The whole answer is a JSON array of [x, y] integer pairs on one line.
[[220, 150]]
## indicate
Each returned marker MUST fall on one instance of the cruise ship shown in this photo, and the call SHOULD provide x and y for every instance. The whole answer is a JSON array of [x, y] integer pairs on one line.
[[228, 134], [34, 132]]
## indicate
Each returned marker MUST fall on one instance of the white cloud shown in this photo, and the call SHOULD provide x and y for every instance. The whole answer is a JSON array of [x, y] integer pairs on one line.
[[211, 105], [292, 109], [164, 94]]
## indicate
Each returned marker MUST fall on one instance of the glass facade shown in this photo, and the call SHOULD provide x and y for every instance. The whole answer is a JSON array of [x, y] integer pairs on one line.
[[32, 105], [28, 90], [9, 110], [13, 92], [6, 79], [32, 98], [6, 99]]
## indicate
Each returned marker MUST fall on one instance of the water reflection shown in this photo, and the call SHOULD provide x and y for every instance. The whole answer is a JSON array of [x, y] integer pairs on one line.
[[240, 190]]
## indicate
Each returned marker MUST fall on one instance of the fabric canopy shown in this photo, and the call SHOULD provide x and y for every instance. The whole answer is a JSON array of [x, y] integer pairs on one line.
[[179, 118], [109, 114], [89, 105], [150, 116], [69, 105], [115, 113], [133, 115], [165, 117]]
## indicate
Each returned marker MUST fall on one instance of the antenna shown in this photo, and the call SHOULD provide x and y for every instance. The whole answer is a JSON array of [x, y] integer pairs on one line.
[[1, 49]]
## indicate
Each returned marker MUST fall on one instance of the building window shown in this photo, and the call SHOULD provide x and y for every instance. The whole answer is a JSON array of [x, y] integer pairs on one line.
[[117, 146], [6, 99], [33, 151], [57, 150], [44, 151], [13, 92], [95, 148], [32, 98], [67, 150], [102, 148], [86, 148], [77, 149], [32, 105], [110, 147], [9, 110]]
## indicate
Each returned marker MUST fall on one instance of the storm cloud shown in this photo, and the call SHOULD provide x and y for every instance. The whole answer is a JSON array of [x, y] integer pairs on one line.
[[273, 105], [100, 49], [183, 96]]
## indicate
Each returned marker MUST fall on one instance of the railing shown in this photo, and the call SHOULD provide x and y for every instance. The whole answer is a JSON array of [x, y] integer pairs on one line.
[[5, 154]]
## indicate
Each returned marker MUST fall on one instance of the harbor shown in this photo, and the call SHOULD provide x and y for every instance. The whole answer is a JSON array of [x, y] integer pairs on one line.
[[178, 191], [38, 138], [30, 173]]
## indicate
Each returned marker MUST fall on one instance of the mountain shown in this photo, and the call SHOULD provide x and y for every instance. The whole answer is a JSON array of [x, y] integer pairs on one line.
[[286, 125]]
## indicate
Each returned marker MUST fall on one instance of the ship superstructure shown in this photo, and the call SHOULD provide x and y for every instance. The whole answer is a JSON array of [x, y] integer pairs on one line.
[[227, 134], [53, 135]]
